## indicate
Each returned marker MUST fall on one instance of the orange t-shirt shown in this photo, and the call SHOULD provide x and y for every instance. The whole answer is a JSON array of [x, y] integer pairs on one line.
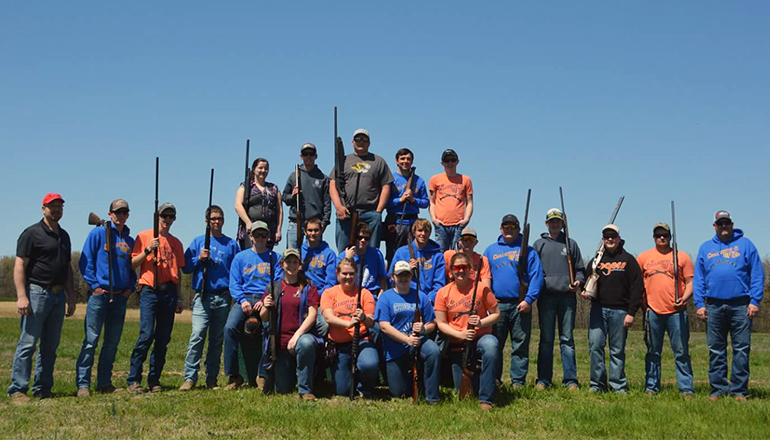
[[450, 197], [171, 258], [343, 306], [658, 273], [457, 305], [486, 273]]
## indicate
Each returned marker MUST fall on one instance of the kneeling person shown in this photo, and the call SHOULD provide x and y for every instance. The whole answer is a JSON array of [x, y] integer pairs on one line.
[[402, 335]]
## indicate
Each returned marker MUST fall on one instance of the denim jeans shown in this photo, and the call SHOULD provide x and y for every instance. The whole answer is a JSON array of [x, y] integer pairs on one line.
[[156, 321], [302, 362], [447, 236], [678, 327], [235, 339], [371, 218], [291, 235], [728, 317], [44, 324], [607, 323], [368, 368], [519, 327], [100, 313], [483, 384], [556, 309], [209, 314], [399, 379]]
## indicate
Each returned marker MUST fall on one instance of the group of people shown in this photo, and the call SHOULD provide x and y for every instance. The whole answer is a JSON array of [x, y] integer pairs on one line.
[[421, 304]]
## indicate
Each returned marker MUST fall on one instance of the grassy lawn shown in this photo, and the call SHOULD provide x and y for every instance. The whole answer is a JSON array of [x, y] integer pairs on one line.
[[521, 413]]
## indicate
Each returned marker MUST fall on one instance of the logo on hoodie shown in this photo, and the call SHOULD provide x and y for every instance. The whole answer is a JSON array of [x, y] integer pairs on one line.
[[613, 266], [725, 253]]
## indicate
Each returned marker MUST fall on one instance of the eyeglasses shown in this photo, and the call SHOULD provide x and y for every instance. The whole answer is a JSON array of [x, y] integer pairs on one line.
[[361, 139], [461, 268], [307, 153], [610, 237], [168, 216], [216, 219], [121, 212], [260, 234], [364, 237], [661, 236], [450, 160]]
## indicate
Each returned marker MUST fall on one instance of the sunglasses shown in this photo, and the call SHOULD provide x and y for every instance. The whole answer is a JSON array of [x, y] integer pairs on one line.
[[469, 239], [361, 139], [510, 227], [461, 268], [364, 237], [307, 153], [610, 237], [121, 212], [168, 216], [724, 224], [260, 234], [216, 219], [450, 160], [662, 235]]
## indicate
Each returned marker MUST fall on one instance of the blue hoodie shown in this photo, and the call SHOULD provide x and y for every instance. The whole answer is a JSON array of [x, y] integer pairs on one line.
[[250, 273], [222, 250], [432, 267], [93, 260], [320, 264], [397, 188], [728, 270], [504, 259]]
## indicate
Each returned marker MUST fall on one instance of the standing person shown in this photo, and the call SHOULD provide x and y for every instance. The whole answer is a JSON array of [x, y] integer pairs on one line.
[[401, 335], [453, 316], [156, 307], [557, 301], [105, 309], [297, 320], [338, 305], [403, 200], [665, 313], [315, 199], [467, 244], [728, 284], [612, 313], [249, 276], [319, 263], [515, 312], [371, 175], [428, 259], [262, 204], [42, 276], [451, 201], [375, 277], [212, 301]]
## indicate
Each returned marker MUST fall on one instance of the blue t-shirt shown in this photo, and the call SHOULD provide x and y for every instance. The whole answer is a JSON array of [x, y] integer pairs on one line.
[[398, 310], [223, 250], [250, 273], [374, 268]]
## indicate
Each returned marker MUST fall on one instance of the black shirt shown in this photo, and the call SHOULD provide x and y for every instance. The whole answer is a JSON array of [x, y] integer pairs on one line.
[[49, 254]]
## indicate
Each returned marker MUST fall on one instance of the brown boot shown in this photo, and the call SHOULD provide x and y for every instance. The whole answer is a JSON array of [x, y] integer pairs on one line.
[[187, 385], [234, 382]]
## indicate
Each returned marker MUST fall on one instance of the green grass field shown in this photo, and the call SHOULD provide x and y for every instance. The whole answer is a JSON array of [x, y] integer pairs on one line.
[[521, 413]]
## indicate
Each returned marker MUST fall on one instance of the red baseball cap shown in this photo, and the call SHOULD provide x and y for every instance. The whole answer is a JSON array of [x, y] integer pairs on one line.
[[50, 197]]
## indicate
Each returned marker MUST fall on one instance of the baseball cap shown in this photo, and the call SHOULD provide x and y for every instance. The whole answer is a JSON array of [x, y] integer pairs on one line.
[[50, 197], [448, 153], [510, 219], [258, 225], [611, 227], [291, 252], [661, 225], [401, 267], [361, 131], [718, 216], [118, 204], [469, 231], [308, 146], [165, 206], [554, 213]]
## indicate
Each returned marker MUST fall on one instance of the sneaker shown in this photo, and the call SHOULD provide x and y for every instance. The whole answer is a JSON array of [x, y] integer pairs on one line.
[[540, 387], [594, 390], [84, 392], [187, 385], [260, 382], [308, 397], [19, 399], [517, 386], [650, 393], [109, 389], [740, 398], [155, 388], [233, 383], [485, 407], [572, 387], [688, 396], [135, 388], [43, 394], [213, 386], [713, 398]]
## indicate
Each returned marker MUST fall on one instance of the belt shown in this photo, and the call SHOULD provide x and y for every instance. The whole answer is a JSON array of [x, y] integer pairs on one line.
[[215, 292], [53, 288], [508, 300], [740, 301]]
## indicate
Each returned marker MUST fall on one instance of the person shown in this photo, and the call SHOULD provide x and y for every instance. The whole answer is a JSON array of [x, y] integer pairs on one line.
[[315, 200], [451, 201], [367, 189], [728, 290], [263, 204], [211, 303], [666, 312], [375, 276], [428, 259], [340, 309], [159, 299], [618, 298], [250, 274], [402, 335], [43, 277], [557, 301], [467, 244], [297, 304], [404, 204], [515, 311], [106, 309], [455, 311], [319, 263]]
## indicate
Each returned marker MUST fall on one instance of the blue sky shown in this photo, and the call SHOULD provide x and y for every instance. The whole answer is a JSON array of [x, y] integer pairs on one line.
[[656, 101]]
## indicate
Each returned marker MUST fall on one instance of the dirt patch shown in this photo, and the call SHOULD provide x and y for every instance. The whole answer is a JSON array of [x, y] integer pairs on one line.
[[8, 310]]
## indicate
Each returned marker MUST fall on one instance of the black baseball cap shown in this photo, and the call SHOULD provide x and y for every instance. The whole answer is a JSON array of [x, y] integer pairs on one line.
[[510, 219], [448, 153]]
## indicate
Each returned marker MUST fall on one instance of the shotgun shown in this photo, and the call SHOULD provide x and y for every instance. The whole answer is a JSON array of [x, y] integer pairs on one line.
[[522, 268], [207, 237], [566, 241], [94, 220], [677, 295], [246, 193], [469, 358], [274, 330], [155, 229], [298, 184], [356, 332], [593, 280], [417, 318]]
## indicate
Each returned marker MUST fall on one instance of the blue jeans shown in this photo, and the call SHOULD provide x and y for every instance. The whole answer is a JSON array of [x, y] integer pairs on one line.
[[484, 383], [678, 327], [371, 218], [100, 313], [291, 235], [447, 236], [553, 309], [368, 368], [519, 327], [209, 313], [604, 323], [399, 379], [156, 321], [728, 317], [234, 336], [44, 323], [302, 362]]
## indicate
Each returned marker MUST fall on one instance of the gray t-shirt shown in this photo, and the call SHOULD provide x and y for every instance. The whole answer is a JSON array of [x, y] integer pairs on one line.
[[374, 174]]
